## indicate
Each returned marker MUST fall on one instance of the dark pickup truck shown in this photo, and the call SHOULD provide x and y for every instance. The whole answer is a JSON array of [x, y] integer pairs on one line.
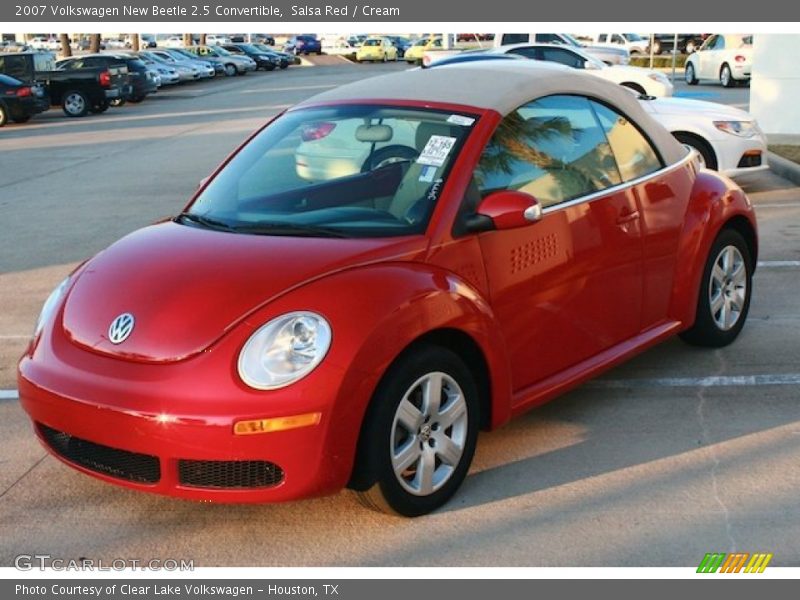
[[77, 91]]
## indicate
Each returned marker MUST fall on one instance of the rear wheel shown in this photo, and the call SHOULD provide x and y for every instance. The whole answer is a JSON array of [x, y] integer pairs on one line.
[[419, 435], [725, 292], [689, 74], [230, 70], [75, 104], [726, 77], [3, 114], [138, 99]]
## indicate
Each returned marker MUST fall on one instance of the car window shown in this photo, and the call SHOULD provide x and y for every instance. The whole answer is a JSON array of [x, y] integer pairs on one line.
[[527, 51], [634, 154], [553, 148], [709, 43], [602, 37], [6, 80], [617, 39], [563, 56], [14, 66], [720, 43], [549, 38], [514, 38]]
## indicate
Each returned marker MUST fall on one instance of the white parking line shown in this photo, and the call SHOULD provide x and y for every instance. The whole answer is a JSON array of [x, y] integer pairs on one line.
[[757, 206], [15, 337], [715, 381], [9, 394], [778, 264]]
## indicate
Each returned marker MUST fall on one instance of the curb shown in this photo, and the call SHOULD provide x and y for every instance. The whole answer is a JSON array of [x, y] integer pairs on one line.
[[784, 167]]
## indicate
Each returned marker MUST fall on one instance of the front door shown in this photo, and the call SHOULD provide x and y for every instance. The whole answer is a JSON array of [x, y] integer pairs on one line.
[[569, 286]]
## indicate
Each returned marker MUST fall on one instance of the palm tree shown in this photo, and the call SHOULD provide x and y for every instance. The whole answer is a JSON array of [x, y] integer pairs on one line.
[[134, 42], [202, 39], [187, 39], [94, 43], [66, 48]]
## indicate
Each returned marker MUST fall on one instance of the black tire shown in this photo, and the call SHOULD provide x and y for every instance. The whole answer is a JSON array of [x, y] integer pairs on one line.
[[137, 99], [635, 87], [21, 119], [689, 74], [376, 484], [703, 148], [74, 103], [706, 330], [230, 70], [726, 76], [3, 115], [388, 154]]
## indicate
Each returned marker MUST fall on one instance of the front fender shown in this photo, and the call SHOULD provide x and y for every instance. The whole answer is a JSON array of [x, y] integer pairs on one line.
[[715, 202], [376, 312]]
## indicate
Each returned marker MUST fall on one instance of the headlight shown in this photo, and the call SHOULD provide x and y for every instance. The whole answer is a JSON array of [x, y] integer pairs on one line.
[[49, 306], [284, 350], [745, 129]]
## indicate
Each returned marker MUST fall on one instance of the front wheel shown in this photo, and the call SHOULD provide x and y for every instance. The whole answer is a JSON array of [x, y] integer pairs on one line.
[[725, 292], [419, 435], [3, 115], [230, 70]]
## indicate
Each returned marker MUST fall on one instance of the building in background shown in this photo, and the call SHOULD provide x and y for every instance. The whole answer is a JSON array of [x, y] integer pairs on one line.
[[775, 84]]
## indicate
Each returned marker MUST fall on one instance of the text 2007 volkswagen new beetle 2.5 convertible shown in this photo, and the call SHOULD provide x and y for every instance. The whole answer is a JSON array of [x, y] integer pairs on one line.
[[376, 275]]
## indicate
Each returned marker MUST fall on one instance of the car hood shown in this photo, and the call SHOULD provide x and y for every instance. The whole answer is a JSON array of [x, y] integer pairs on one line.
[[691, 107], [633, 71], [186, 286]]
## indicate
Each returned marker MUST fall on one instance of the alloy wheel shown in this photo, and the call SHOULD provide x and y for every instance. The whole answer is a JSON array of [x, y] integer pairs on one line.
[[727, 288]]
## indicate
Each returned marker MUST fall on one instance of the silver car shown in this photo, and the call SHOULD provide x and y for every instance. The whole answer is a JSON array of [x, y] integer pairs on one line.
[[185, 71], [233, 64], [206, 69]]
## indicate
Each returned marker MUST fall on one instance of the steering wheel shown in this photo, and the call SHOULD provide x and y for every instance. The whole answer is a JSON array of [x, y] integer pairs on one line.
[[389, 155]]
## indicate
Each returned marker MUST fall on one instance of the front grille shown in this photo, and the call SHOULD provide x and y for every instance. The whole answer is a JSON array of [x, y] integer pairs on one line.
[[229, 473], [130, 466], [750, 160]]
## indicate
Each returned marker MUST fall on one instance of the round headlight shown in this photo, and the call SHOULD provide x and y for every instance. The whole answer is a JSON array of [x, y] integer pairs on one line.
[[284, 350], [49, 306]]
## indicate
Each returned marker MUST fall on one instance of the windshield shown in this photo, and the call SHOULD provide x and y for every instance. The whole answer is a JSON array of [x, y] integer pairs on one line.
[[422, 42], [249, 48], [634, 37], [352, 170], [219, 51], [372, 42]]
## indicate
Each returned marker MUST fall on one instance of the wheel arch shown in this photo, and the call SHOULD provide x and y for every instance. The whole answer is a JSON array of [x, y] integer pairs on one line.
[[700, 139], [716, 203]]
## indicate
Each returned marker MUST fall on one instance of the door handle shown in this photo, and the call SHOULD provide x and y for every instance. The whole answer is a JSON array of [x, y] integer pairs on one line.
[[627, 217]]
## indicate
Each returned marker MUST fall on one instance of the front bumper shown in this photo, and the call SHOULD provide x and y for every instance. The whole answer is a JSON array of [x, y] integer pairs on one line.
[[169, 429]]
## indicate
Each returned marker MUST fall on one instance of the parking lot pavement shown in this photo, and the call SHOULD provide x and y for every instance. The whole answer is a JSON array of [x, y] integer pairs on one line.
[[655, 463]]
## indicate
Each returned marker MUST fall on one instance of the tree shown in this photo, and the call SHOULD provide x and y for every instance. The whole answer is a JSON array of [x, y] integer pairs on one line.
[[187, 39], [66, 48], [135, 42], [202, 39], [94, 43]]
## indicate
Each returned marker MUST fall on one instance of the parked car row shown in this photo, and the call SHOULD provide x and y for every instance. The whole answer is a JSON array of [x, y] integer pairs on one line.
[[92, 83]]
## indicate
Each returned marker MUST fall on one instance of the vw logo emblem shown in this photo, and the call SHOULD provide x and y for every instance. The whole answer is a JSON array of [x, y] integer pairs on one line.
[[121, 328]]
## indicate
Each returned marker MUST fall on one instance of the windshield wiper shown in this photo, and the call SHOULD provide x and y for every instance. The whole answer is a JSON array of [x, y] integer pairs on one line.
[[298, 229], [205, 221]]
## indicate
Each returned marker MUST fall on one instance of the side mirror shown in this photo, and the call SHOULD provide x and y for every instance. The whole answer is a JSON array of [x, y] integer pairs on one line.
[[203, 181], [505, 210]]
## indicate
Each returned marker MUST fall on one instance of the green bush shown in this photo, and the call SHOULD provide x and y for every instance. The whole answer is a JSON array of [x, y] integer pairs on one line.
[[659, 62]]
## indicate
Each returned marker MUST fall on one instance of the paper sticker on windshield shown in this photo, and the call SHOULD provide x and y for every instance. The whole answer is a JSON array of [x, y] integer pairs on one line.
[[460, 120], [427, 173], [436, 150]]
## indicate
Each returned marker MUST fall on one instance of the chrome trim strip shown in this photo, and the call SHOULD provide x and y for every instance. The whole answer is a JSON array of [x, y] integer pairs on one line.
[[620, 187]]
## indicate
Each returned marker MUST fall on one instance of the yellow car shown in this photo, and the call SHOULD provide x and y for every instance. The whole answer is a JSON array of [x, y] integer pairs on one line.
[[376, 48], [415, 52]]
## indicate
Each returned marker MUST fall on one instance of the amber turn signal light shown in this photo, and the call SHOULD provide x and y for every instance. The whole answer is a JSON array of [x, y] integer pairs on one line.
[[276, 424]]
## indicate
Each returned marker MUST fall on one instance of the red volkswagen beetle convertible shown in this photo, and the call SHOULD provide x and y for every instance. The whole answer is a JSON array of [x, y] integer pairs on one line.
[[376, 275]]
